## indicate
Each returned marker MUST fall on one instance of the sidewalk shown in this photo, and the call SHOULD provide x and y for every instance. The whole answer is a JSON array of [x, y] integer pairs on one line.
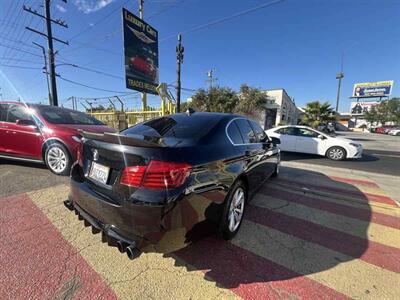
[[388, 183]]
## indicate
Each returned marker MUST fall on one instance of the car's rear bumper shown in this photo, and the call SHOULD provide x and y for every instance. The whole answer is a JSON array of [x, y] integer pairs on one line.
[[129, 223]]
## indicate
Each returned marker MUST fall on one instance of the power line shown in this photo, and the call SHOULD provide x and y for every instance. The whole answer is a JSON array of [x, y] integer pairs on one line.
[[19, 50], [224, 19], [21, 67], [88, 86]]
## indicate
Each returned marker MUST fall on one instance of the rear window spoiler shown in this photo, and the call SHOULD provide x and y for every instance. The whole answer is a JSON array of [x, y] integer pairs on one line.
[[119, 139]]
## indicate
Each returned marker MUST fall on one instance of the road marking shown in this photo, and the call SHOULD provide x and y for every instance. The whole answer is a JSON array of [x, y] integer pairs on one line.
[[362, 229], [37, 262], [361, 193], [249, 275], [152, 275], [345, 274], [343, 242], [339, 199], [339, 209]]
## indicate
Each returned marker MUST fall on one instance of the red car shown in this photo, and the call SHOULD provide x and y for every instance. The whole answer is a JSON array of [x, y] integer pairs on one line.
[[44, 133], [383, 129], [144, 66]]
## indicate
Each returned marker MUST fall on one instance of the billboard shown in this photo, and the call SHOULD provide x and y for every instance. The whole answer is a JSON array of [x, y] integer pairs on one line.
[[372, 89], [141, 54], [359, 108]]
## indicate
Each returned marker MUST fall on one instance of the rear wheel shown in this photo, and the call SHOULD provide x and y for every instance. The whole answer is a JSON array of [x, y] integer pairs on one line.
[[233, 211], [57, 159], [336, 153]]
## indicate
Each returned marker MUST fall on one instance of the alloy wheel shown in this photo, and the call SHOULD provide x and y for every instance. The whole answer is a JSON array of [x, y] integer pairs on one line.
[[57, 159], [236, 209], [336, 153]]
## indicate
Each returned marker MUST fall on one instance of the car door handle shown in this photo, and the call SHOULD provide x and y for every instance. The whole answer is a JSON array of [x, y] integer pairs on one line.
[[3, 126]]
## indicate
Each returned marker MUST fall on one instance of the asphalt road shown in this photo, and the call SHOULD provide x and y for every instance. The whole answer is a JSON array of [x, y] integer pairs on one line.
[[20, 177], [381, 154]]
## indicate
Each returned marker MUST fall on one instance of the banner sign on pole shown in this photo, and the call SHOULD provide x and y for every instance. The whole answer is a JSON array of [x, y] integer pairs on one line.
[[372, 89], [141, 54]]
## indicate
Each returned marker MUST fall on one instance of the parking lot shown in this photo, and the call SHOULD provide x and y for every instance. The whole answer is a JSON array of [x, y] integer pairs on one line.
[[308, 234]]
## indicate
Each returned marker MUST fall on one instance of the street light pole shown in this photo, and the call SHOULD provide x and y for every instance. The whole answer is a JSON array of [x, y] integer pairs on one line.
[[339, 77]]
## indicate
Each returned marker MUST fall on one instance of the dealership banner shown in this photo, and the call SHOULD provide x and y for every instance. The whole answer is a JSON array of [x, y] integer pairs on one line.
[[360, 108], [141, 54], [372, 89]]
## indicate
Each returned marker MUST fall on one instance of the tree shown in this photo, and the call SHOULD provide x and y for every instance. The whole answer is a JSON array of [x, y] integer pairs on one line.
[[248, 101], [215, 99], [386, 111], [251, 102], [317, 113]]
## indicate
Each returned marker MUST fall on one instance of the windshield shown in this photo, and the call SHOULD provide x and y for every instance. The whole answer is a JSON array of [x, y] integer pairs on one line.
[[58, 115]]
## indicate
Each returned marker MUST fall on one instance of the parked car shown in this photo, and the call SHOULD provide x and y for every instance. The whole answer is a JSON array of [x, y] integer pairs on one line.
[[44, 134], [395, 131], [171, 173], [303, 139], [384, 129]]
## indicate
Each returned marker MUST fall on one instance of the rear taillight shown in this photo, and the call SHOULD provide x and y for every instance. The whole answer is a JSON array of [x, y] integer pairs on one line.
[[156, 175]]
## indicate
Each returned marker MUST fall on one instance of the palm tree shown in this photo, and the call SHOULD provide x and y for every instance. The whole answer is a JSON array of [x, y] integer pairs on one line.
[[316, 113]]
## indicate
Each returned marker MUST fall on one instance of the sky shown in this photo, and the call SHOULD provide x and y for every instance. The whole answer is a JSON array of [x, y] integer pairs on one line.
[[292, 44]]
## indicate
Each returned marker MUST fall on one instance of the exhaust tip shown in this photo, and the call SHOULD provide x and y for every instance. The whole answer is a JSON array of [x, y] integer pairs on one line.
[[121, 246], [132, 252], [68, 204]]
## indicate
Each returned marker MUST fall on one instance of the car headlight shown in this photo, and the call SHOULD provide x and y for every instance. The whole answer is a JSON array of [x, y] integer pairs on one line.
[[355, 145], [77, 138]]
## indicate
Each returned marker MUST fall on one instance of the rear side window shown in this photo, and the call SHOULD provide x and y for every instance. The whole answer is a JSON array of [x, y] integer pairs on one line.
[[3, 112], [166, 127], [246, 131], [287, 131], [260, 133], [234, 133]]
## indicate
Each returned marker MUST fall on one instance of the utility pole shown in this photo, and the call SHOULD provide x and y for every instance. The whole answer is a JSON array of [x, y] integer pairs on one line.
[[46, 72], [51, 65], [179, 59], [211, 78], [143, 95]]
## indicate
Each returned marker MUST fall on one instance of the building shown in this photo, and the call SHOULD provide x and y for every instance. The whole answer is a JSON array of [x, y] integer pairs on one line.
[[280, 109]]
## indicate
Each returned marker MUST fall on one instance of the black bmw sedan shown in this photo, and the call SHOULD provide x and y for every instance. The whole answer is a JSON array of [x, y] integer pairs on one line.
[[170, 174]]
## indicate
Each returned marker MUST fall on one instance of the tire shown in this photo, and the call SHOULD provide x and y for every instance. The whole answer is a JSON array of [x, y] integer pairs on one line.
[[336, 153], [276, 171], [230, 225], [58, 159]]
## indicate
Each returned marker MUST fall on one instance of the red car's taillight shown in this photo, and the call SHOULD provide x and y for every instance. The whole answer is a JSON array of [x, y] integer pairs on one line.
[[156, 175]]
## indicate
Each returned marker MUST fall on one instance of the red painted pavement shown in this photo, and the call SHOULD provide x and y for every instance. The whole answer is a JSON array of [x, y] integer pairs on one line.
[[374, 253], [251, 276], [342, 191], [37, 262], [340, 209]]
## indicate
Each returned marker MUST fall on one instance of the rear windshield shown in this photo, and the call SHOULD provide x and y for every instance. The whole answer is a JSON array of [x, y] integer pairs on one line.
[[58, 115], [180, 128]]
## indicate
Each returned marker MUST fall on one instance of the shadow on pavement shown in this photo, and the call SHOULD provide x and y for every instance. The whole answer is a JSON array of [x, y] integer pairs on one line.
[[22, 163], [290, 229]]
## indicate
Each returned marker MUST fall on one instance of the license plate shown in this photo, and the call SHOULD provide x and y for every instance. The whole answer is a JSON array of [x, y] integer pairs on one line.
[[99, 172]]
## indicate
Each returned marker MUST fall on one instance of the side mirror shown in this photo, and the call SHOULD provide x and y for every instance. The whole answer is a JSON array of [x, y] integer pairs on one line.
[[25, 122], [275, 140], [322, 137]]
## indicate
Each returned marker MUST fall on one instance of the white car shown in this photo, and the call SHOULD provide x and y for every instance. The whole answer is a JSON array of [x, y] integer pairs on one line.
[[303, 139], [394, 131]]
